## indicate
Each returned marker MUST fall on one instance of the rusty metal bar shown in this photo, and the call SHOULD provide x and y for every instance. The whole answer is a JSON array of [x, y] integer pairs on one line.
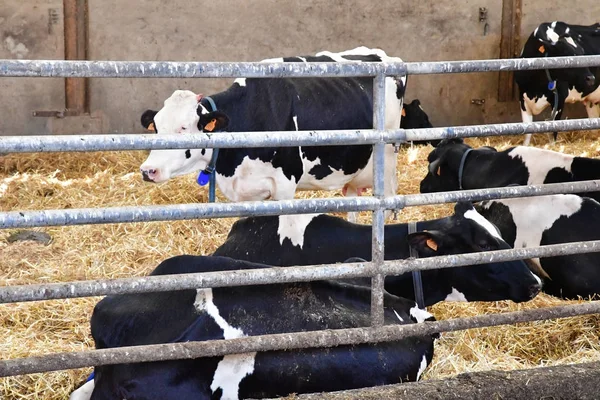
[[76, 38], [264, 276], [510, 43], [282, 341]]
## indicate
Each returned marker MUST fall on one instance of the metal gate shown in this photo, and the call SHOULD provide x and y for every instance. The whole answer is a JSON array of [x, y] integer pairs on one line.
[[377, 269]]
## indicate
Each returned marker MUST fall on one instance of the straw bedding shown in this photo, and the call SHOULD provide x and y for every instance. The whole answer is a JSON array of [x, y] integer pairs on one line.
[[79, 180]]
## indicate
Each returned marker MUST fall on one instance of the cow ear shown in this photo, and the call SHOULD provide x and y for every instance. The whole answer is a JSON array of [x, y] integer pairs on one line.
[[213, 122], [426, 241], [148, 120]]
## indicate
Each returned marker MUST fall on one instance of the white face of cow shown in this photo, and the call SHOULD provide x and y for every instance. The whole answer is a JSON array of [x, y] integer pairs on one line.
[[182, 113]]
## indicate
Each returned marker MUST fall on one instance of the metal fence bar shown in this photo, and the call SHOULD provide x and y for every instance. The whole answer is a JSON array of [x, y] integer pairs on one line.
[[85, 216], [377, 237], [265, 276], [223, 140], [281, 341], [170, 69], [166, 69]]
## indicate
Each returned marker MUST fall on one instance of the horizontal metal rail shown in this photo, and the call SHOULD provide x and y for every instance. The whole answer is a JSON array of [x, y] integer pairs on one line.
[[85, 216], [264, 276], [281, 341], [166, 69], [223, 140]]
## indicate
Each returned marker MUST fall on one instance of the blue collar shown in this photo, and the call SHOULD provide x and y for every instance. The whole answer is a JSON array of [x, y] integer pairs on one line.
[[553, 89]]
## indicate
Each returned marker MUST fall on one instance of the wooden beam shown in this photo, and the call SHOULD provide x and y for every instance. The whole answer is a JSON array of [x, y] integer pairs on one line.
[[510, 46], [76, 43]]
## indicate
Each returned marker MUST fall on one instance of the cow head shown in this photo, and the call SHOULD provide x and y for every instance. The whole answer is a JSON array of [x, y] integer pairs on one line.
[[468, 232], [444, 163], [557, 39], [415, 117], [182, 113]]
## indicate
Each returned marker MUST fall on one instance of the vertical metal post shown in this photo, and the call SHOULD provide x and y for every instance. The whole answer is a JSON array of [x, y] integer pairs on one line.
[[76, 38], [377, 248]]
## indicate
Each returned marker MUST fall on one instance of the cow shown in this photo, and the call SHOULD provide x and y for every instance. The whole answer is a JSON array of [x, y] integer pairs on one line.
[[487, 168], [235, 312], [415, 117], [281, 104], [320, 239], [545, 220], [539, 89]]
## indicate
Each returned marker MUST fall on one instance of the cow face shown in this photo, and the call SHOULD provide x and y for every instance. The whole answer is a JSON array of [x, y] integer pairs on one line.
[[469, 232], [414, 117], [182, 113], [557, 39], [444, 163]]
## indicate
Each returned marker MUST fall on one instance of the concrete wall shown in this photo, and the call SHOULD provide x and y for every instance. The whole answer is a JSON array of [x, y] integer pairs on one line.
[[230, 30]]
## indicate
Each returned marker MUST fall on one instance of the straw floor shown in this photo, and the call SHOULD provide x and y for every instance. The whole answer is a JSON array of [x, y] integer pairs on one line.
[[78, 180]]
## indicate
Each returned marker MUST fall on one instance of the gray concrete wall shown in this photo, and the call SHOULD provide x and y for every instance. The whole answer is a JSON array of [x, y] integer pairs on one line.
[[235, 30]]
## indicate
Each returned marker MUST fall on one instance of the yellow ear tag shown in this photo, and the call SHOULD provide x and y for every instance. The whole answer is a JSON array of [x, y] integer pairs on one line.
[[431, 244], [151, 127], [439, 171], [542, 49], [211, 125], [403, 112]]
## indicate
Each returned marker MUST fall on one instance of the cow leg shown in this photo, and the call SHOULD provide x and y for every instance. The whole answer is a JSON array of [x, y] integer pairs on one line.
[[527, 119], [593, 110], [351, 191]]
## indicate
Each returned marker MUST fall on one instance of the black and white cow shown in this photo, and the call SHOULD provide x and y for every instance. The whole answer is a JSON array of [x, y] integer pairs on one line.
[[545, 220], [321, 239], [487, 168], [415, 117], [235, 312], [281, 104], [539, 89]]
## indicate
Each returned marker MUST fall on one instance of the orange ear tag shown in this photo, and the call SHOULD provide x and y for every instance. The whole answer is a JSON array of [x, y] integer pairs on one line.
[[431, 244], [211, 125], [542, 49], [151, 127], [439, 171], [403, 112]]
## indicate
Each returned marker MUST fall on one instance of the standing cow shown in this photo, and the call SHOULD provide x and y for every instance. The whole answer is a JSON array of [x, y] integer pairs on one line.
[[539, 89], [281, 104]]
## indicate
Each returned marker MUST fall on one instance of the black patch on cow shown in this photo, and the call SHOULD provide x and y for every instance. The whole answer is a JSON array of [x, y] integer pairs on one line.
[[217, 394], [188, 154], [320, 171], [203, 151], [558, 174], [499, 214], [365, 58]]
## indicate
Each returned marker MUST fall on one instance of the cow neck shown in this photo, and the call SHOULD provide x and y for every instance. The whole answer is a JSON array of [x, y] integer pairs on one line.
[[416, 274], [461, 168], [208, 174]]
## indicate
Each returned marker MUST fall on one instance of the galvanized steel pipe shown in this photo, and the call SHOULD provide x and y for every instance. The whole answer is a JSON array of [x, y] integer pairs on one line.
[[263, 276], [281, 341]]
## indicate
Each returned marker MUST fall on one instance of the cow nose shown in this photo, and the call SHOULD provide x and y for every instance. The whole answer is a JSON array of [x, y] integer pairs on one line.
[[590, 80], [149, 175], [534, 290]]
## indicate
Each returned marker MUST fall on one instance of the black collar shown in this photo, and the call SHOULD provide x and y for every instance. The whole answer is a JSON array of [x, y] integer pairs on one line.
[[417, 279], [461, 167]]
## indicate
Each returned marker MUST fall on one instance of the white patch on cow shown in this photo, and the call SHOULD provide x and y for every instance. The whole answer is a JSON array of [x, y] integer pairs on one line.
[[302, 58], [398, 315], [574, 96], [84, 392], [535, 105], [295, 118], [539, 162], [484, 223], [422, 367], [534, 215], [537, 278], [233, 367], [255, 180], [275, 60], [335, 180], [240, 81], [455, 295], [593, 110], [293, 227], [419, 315], [593, 97], [550, 34], [527, 119], [570, 40]]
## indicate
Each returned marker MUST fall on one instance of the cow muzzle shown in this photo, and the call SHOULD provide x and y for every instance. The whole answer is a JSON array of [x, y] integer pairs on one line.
[[149, 175], [590, 80]]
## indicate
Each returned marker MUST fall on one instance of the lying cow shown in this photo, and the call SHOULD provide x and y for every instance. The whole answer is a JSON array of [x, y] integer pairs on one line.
[[280, 104], [539, 89], [234, 312], [487, 168], [321, 239], [544, 220]]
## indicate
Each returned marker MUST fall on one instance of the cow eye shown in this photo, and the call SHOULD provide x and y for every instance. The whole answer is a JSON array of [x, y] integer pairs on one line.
[[486, 247]]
